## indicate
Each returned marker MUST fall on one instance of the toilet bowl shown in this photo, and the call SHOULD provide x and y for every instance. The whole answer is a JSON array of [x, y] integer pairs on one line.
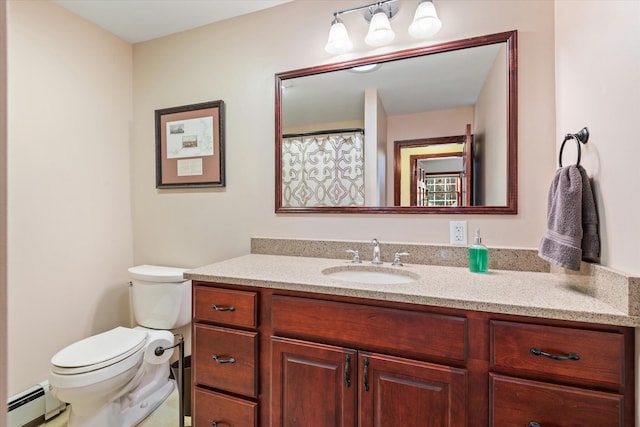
[[116, 378]]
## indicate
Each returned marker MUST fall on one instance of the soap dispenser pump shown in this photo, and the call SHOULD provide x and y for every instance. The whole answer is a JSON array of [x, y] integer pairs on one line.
[[478, 256]]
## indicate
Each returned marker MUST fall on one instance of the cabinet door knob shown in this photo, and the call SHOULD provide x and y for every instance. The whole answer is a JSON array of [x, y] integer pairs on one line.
[[534, 424], [218, 359], [223, 308], [215, 423], [570, 356]]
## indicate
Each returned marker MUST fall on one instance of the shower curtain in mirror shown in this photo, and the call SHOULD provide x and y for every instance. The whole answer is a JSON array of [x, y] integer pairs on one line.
[[323, 170]]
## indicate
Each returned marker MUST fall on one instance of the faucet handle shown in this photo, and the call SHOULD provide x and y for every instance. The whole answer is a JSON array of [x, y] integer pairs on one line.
[[356, 256], [396, 258]]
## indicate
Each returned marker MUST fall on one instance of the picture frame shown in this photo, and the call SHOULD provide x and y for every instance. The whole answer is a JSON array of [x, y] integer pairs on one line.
[[190, 142]]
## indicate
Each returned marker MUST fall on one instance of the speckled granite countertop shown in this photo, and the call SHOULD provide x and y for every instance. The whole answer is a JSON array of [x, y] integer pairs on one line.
[[537, 294]]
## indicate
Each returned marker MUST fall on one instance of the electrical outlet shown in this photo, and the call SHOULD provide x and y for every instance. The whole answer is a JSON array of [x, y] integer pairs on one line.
[[458, 232]]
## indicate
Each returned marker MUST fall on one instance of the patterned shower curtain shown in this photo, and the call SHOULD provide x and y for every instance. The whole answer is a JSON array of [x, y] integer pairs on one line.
[[323, 170]]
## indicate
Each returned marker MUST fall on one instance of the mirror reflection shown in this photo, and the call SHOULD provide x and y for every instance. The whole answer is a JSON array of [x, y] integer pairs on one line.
[[425, 130], [434, 172]]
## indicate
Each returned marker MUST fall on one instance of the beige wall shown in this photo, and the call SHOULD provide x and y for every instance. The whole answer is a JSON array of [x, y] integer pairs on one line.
[[491, 114], [3, 207], [598, 86], [69, 218], [235, 62]]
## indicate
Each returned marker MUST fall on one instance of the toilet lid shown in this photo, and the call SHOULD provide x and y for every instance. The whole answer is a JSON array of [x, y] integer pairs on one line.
[[100, 350], [157, 273]]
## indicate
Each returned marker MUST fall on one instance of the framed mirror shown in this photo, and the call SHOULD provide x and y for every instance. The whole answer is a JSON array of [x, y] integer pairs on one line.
[[423, 130]]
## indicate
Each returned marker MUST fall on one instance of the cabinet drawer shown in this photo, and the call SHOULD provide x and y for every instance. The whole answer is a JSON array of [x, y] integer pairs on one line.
[[517, 402], [211, 407], [224, 306], [225, 359], [601, 354], [380, 329]]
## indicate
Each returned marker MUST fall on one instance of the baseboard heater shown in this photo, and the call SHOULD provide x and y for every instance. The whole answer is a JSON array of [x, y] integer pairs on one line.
[[33, 406]]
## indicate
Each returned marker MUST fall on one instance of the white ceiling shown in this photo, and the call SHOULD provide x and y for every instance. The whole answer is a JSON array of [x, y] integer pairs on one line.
[[140, 20]]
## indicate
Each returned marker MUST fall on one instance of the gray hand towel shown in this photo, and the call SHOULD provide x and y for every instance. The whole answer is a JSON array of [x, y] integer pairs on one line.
[[590, 234], [570, 204]]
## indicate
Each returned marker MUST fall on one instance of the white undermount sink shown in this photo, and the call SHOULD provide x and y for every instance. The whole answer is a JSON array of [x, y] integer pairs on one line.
[[371, 274]]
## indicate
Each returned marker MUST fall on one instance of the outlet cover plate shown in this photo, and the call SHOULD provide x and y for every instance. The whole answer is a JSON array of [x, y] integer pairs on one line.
[[458, 232]]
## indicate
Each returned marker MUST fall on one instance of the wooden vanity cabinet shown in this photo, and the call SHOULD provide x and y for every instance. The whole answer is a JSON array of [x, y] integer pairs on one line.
[[224, 357], [324, 360]]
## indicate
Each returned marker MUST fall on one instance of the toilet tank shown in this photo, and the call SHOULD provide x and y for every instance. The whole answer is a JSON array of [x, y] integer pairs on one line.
[[160, 296]]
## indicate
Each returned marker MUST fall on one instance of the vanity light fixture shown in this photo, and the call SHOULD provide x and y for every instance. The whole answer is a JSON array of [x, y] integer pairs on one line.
[[380, 32], [425, 24], [339, 41]]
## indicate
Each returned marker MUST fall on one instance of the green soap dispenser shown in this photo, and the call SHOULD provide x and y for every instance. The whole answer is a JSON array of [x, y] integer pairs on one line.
[[478, 256]]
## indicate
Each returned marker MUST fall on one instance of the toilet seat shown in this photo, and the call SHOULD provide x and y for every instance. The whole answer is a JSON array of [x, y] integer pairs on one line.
[[98, 351], [158, 274]]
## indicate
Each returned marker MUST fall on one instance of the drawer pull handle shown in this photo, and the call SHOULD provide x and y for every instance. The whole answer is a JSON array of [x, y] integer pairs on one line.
[[347, 374], [215, 423], [223, 308], [366, 374], [220, 360], [570, 356], [534, 424]]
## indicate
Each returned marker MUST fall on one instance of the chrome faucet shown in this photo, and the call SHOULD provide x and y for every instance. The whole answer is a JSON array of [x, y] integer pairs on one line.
[[396, 259], [376, 252], [356, 256]]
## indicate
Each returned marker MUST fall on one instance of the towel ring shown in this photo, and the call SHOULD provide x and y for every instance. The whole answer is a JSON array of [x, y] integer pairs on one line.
[[580, 137]]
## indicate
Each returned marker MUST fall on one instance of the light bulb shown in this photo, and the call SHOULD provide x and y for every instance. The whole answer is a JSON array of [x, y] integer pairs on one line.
[[380, 32], [339, 41], [425, 22]]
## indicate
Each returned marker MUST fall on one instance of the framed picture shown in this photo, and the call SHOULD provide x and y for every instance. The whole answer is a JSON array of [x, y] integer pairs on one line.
[[190, 146]]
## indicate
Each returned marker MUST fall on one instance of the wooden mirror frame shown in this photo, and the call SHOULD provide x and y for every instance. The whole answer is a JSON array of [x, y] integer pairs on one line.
[[511, 207]]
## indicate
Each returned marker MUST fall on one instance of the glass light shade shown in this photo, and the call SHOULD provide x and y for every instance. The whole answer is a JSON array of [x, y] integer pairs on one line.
[[425, 22], [339, 41], [380, 32]]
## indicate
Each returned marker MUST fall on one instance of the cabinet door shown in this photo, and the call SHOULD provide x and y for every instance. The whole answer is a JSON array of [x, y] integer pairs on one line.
[[312, 385], [403, 392]]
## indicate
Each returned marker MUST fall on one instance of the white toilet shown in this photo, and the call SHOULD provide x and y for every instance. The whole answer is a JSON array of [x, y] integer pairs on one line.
[[116, 378]]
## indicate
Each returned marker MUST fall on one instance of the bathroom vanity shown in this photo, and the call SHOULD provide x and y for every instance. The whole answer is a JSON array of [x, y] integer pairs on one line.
[[277, 342]]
